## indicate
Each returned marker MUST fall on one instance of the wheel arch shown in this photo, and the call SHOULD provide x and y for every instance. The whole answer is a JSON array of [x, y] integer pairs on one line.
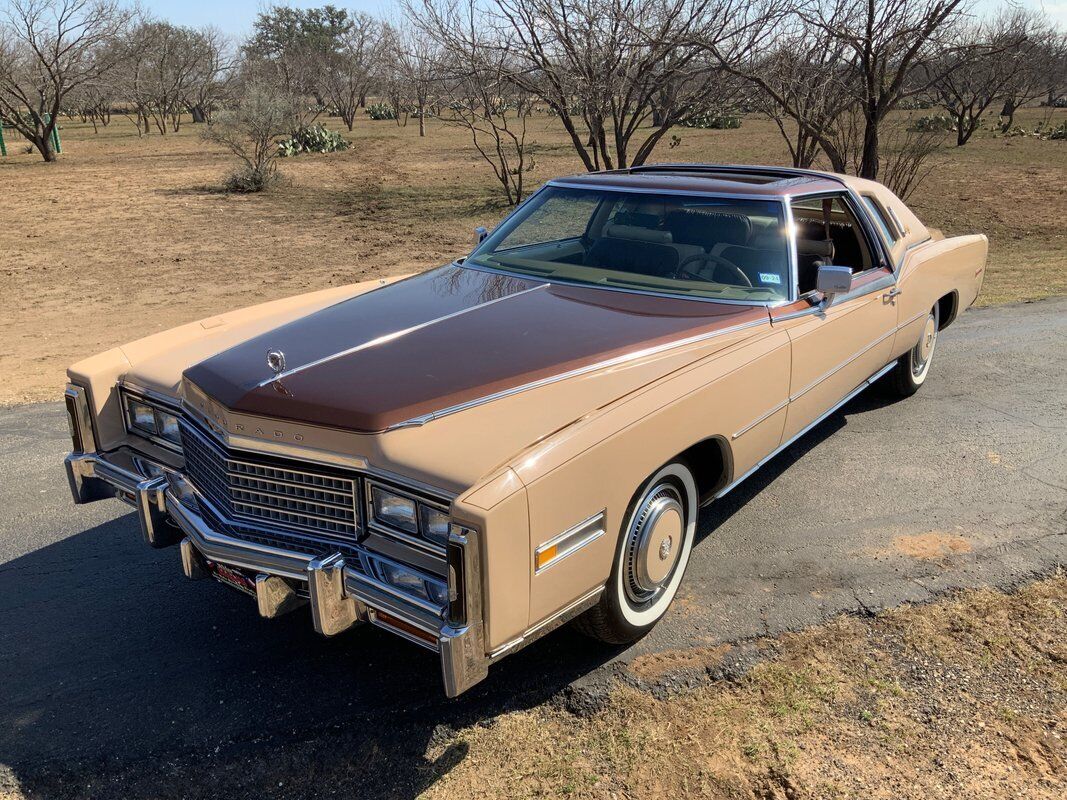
[[947, 309], [712, 464]]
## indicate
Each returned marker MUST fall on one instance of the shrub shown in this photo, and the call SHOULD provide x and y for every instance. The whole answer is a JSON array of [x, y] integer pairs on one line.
[[312, 139], [381, 111], [934, 122], [715, 120], [249, 131], [1059, 133]]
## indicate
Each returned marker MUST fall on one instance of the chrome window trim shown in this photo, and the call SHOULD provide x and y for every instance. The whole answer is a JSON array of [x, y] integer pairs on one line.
[[896, 221], [611, 362], [874, 239], [870, 200], [862, 291], [572, 540], [564, 184], [649, 292]]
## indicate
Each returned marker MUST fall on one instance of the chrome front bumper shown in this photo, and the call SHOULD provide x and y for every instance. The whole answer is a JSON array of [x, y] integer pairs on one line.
[[339, 595]]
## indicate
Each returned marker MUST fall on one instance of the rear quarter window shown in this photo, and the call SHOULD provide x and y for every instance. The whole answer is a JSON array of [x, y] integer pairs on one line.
[[876, 214]]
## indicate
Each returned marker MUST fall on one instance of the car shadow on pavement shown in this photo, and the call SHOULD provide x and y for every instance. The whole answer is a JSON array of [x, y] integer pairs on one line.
[[113, 663]]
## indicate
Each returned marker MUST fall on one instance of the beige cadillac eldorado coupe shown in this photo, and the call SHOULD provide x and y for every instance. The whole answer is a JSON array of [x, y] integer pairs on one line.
[[471, 456]]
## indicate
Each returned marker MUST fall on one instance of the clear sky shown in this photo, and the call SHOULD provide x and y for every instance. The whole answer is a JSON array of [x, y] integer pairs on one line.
[[235, 17]]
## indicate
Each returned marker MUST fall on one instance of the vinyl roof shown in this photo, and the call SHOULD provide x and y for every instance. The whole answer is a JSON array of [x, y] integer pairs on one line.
[[754, 181]]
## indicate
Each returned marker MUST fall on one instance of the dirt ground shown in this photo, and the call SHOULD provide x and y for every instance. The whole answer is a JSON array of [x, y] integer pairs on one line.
[[126, 236], [964, 697]]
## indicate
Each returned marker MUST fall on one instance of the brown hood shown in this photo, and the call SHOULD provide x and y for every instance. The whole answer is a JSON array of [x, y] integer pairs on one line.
[[439, 339]]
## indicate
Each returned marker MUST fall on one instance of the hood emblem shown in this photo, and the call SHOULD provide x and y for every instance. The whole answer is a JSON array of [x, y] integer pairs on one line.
[[276, 361]]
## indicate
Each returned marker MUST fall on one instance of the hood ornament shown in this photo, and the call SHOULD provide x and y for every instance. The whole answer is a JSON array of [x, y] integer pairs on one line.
[[276, 361]]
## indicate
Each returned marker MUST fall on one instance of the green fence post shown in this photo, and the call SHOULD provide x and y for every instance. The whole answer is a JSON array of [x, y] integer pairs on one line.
[[3, 147], [55, 133]]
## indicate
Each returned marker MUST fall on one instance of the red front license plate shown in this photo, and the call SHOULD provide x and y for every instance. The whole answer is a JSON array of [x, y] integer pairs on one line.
[[233, 577]]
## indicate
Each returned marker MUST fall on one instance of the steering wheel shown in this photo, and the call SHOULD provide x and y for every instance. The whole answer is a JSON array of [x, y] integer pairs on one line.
[[719, 261]]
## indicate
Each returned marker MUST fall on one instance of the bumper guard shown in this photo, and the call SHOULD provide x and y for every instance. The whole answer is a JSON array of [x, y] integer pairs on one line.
[[340, 596]]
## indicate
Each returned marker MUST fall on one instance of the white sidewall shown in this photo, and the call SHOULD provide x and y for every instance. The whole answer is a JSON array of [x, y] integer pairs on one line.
[[921, 377], [647, 616]]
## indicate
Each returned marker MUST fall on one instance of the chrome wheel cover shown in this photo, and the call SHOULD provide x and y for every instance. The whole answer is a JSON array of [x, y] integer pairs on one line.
[[653, 543], [924, 350]]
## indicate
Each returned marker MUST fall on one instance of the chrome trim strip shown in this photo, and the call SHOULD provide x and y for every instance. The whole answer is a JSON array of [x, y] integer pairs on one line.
[[808, 427], [81, 419], [389, 337], [794, 259], [170, 401], [549, 624], [611, 362], [556, 280], [572, 540], [855, 294], [565, 184], [842, 365], [762, 418]]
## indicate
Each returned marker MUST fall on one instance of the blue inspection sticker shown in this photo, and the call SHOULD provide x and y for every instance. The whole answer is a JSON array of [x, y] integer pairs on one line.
[[770, 277]]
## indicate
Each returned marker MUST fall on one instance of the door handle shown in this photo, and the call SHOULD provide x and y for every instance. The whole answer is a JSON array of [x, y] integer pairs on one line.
[[892, 295]]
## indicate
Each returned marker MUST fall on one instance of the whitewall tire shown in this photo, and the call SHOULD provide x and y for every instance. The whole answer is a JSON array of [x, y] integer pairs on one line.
[[914, 366], [653, 550]]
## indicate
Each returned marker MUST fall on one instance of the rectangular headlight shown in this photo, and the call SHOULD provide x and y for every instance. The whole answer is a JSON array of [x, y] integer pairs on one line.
[[394, 510], [168, 427], [411, 582], [434, 524], [142, 417], [152, 420]]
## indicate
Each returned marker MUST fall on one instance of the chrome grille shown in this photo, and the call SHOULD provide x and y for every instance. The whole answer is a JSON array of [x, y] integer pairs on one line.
[[269, 491]]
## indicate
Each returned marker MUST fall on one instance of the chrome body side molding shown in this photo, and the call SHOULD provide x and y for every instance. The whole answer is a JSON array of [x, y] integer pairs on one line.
[[807, 428]]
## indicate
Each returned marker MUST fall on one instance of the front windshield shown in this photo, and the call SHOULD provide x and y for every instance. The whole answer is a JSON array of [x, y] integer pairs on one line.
[[709, 247]]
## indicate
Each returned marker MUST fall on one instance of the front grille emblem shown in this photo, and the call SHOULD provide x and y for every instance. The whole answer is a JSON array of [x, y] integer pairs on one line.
[[276, 361]]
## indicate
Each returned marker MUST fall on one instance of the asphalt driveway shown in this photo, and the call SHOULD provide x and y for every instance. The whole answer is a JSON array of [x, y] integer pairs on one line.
[[109, 658]]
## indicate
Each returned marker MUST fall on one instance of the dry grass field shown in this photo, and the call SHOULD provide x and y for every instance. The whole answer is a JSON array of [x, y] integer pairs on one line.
[[126, 236]]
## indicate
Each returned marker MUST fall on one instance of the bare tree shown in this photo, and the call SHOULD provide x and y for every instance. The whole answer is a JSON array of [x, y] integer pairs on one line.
[[1041, 71], [213, 74], [174, 59], [804, 79], [478, 91], [413, 59], [48, 49], [885, 42], [349, 72], [620, 73], [979, 63], [130, 78]]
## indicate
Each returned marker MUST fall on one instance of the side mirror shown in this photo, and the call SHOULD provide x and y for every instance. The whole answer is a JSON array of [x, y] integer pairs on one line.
[[832, 281]]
